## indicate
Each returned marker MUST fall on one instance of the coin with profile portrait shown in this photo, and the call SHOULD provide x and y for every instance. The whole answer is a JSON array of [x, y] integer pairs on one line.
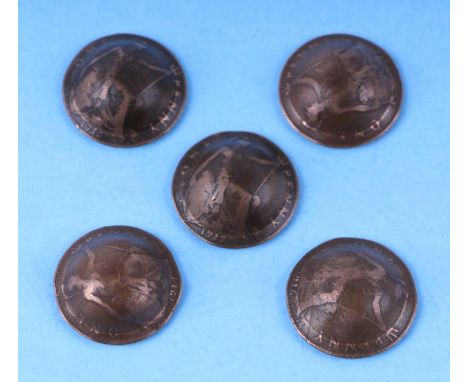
[[235, 189], [117, 285], [340, 90]]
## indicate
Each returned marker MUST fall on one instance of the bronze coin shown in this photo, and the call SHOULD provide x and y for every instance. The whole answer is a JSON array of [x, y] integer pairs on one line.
[[124, 90], [235, 189], [351, 298], [340, 90], [117, 285]]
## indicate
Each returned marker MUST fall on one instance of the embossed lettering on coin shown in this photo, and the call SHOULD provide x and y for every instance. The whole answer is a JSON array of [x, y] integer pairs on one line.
[[124, 90], [117, 285], [340, 90], [351, 297], [235, 189]]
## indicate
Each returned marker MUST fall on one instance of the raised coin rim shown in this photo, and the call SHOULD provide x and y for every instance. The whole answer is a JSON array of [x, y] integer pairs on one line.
[[247, 245], [391, 254], [143, 333], [365, 42], [117, 36]]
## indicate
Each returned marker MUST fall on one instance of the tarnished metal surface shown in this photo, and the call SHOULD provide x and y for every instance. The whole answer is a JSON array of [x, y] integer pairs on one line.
[[235, 189], [351, 297], [340, 90], [117, 285], [124, 90]]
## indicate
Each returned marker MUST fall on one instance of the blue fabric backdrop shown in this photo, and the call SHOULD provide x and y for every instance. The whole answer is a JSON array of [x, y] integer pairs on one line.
[[232, 323]]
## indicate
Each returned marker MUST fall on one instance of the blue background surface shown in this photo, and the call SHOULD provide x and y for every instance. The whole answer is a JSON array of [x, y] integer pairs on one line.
[[232, 323]]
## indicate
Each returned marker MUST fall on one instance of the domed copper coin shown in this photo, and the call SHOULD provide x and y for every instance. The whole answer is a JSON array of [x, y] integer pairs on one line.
[[117, 285], [340, 90], [351, 298], [235, 189], [124, 90]]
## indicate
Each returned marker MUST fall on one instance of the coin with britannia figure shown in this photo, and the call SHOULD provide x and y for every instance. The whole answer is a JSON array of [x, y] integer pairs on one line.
[[235, 189], [351, 298], [124, 90], [117, 285], [340, 90]]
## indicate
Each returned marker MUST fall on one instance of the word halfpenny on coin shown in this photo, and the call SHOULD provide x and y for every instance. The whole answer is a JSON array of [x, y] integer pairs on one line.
[[117, 285], [124, 90], [340, 90], [235, 189], [351, 298]]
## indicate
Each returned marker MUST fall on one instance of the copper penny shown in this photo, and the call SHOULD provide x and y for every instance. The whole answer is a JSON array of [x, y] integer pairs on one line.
[[124, 90], [117, 285], [235, 189], [340, 90], [351, 298]]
